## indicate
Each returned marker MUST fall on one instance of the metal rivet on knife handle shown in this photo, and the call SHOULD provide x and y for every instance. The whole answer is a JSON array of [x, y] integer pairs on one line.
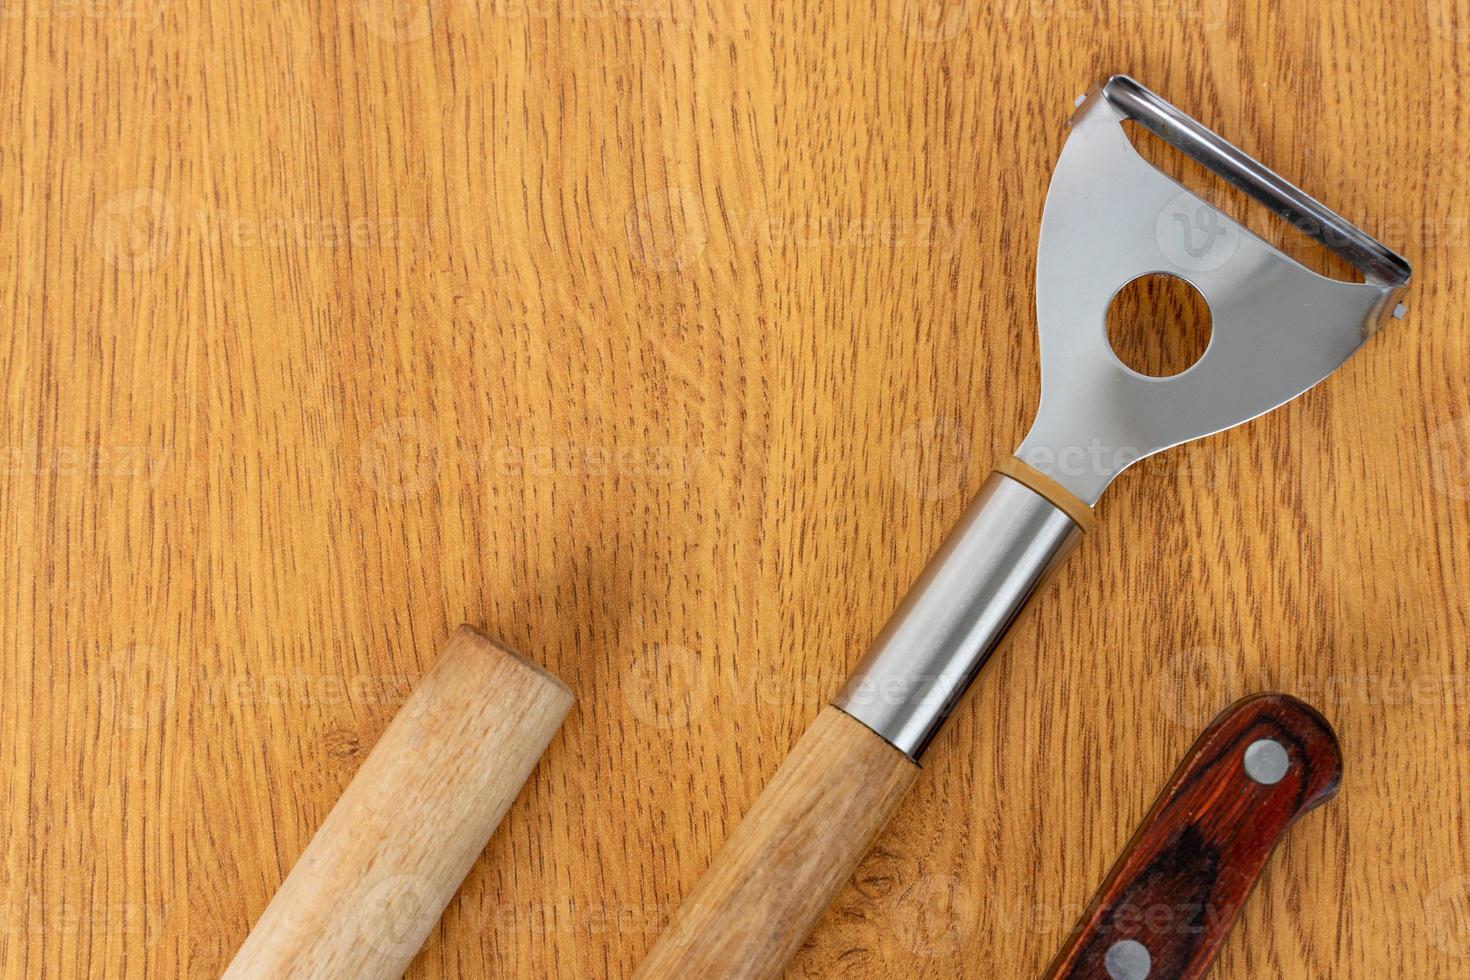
[[1111, 217], [1128, 959], [1266, 761]]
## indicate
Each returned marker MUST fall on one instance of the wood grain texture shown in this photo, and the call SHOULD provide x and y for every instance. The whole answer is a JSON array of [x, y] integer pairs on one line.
[[787, 858], [1189, 868], [372, 883], [667, 341]]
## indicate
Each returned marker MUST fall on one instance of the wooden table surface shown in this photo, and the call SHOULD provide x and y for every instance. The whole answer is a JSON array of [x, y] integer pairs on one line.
[[665, 339]]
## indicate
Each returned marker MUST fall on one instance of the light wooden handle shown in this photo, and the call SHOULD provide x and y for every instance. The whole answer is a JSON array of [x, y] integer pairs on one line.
[[375, 878], [787, 859]]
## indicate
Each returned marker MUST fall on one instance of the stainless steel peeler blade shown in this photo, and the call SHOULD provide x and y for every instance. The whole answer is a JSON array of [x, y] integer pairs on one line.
[[1277, 327]]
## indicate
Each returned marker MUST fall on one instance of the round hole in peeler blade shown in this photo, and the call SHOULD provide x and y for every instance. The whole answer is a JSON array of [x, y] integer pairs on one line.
[[1159, 325]]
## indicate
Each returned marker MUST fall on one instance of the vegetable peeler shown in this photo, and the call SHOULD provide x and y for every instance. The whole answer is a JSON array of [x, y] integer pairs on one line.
[[1110, 218]]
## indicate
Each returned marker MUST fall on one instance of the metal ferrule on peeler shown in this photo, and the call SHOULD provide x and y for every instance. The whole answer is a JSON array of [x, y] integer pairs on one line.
[[1278, 328], [958, 614]]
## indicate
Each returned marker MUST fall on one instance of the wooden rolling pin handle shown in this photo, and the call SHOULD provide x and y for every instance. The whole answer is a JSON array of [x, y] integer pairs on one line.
[[373, 881], [1168, 904], [788, 858]]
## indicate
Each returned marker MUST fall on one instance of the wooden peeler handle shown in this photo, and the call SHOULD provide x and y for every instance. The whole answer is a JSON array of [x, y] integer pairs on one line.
[[1167, 906], [788, 858], [811, 826]]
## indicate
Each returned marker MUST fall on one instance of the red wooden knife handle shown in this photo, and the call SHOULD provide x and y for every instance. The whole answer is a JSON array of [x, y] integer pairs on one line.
[[1165, 909]]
